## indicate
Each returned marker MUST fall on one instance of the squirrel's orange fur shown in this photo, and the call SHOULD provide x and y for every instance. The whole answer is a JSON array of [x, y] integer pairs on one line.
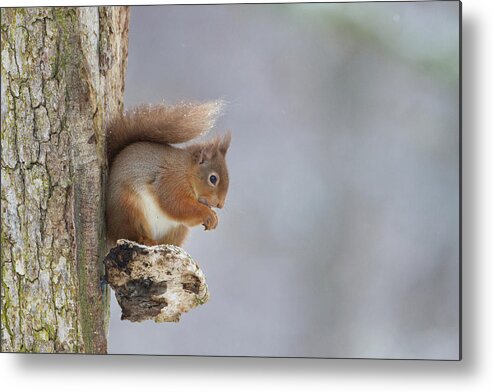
[[156, 191]]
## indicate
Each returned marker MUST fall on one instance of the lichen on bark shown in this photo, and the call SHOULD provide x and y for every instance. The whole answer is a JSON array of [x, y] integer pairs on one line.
[[55, 102]]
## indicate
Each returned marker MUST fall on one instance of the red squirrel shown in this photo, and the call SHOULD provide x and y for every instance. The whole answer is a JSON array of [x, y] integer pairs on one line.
[[157, 191]]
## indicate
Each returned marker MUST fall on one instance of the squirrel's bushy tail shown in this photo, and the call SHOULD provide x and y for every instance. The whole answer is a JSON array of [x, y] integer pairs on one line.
[[161, 124]]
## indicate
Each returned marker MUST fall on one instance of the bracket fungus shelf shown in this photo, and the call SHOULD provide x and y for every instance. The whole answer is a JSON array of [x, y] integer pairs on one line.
[[154, 282]]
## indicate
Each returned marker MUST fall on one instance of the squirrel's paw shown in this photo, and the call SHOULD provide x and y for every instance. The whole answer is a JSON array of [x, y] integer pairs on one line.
[[210, 221], [147, 241]]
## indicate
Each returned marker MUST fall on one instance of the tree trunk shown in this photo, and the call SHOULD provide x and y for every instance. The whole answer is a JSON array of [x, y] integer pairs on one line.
[[62, 80]]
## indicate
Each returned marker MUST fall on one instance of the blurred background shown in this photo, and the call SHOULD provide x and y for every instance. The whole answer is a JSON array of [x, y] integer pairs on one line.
[[340, 234]]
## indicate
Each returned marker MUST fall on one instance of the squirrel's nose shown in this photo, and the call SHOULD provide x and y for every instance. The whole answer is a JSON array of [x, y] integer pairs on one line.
[[220, 204]]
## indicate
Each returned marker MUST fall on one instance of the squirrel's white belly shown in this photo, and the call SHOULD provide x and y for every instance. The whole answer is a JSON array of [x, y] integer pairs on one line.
[[159, 223]]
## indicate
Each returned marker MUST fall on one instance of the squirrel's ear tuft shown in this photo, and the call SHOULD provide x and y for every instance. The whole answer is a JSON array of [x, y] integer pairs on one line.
[[202, 153], [224, 143]]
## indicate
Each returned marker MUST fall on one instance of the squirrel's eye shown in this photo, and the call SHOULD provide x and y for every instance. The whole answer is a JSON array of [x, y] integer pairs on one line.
[[213, 179]]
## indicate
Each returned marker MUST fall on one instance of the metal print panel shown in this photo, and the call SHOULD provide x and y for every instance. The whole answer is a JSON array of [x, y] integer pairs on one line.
[[275, 180]]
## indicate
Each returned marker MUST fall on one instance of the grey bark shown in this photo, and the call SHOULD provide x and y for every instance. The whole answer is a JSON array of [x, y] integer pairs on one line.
[[62, 80]]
